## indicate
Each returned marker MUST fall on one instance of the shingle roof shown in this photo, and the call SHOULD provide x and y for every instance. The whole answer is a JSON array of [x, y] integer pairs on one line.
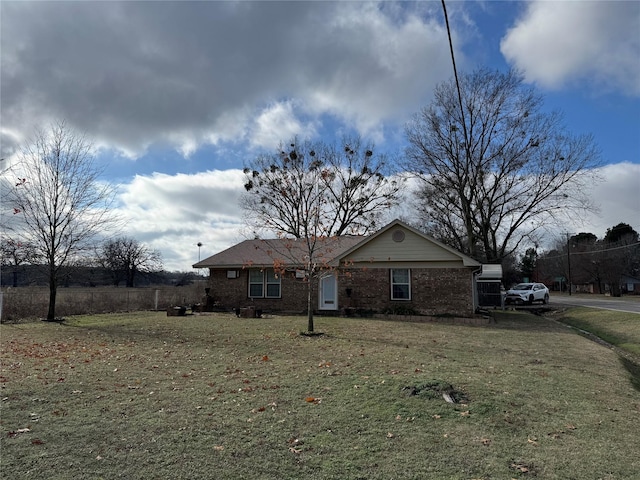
[[291, 252]]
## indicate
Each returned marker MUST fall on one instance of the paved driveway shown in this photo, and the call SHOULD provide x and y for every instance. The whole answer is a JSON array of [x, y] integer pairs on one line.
[[621, 304]]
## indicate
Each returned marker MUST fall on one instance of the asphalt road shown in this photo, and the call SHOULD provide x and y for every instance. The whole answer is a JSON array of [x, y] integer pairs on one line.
[[620, 304]]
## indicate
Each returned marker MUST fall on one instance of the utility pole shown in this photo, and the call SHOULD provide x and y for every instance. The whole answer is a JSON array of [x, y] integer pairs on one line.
[[569, 261]]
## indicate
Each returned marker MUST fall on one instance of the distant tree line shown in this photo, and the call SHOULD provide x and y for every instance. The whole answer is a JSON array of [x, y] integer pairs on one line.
[[584, 262], [122, 261], [26, 275]]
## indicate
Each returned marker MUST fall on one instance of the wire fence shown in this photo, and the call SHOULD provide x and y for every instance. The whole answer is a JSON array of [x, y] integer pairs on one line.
[[22, 303]]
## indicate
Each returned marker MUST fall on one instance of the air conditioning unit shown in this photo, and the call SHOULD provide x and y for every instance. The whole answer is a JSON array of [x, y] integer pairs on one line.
[[233, 274]]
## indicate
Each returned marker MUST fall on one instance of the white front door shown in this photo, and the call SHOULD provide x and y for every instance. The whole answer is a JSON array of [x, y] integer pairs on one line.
[[328, 293]]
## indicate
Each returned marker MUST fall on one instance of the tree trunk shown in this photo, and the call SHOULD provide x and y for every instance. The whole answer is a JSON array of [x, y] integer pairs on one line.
[[309, 306], [131, 273], [615, 289], [53, 290]]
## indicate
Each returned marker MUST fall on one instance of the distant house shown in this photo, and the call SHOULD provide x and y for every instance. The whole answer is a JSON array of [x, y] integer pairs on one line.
[[630, 285], [398, 268], [627, 285]]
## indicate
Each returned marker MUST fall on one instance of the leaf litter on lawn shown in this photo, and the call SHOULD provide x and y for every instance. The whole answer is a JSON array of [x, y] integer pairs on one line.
[[203, 385]]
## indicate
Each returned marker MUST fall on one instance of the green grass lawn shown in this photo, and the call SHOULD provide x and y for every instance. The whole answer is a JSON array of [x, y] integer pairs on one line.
[[618, 328], [145, 396]]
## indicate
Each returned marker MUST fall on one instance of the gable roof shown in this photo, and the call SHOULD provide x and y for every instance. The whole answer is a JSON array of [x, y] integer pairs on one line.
[[291, 252]]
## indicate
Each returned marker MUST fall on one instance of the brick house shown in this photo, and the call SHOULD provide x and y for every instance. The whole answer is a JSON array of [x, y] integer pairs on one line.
[[398, 268]]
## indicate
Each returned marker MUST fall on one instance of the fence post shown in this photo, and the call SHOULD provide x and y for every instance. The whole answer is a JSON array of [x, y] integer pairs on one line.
[[1, 299], [156, 301]]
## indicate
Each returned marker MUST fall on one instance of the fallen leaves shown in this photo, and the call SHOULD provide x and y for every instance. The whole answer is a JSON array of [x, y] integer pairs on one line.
[[557, 434], [260, 409], [521, 467]]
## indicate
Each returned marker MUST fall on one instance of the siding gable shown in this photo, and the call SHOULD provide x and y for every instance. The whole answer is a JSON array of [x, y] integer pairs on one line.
[[399, 245]]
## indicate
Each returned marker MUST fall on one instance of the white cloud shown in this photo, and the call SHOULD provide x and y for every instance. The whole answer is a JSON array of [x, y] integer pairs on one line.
[[135, 74], [618, 196], [556, 44], [382, 66], [172, 213], [277, 123]]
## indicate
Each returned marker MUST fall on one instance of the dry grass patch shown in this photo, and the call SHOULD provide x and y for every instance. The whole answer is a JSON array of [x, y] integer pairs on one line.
[[214, 396]]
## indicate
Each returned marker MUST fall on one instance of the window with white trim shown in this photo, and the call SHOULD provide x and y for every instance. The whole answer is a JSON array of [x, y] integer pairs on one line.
[[264, 284], [272, 282], [400, 284]]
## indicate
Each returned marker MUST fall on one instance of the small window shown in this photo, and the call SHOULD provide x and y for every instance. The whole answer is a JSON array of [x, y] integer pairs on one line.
[[273, 284], [264, 284], [400, 284], [256, 284]]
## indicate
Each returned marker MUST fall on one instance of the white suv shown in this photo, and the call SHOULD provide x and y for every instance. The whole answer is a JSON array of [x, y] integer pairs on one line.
[[527, 293]]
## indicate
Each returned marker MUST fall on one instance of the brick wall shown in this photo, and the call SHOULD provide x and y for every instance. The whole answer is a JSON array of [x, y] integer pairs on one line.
[[434, 291], [234, 293]]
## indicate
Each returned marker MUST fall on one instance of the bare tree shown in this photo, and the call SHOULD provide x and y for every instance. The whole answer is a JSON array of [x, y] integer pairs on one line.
[[495, 168], [124, 258], [15, 253], [621, 255], [315, 192], [319, 189], [59, 203]]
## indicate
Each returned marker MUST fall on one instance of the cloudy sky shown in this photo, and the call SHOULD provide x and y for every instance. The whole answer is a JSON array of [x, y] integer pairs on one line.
[[179, 96]]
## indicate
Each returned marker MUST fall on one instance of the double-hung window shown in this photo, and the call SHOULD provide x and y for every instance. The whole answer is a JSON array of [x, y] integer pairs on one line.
[[264, 284], [400, 284]]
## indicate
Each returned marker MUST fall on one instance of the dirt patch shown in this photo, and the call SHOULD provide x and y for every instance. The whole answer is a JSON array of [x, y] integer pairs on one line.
[[436, 389]]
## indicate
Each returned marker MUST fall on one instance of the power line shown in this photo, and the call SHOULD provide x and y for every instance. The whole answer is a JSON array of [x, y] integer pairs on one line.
[[591, 252]]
